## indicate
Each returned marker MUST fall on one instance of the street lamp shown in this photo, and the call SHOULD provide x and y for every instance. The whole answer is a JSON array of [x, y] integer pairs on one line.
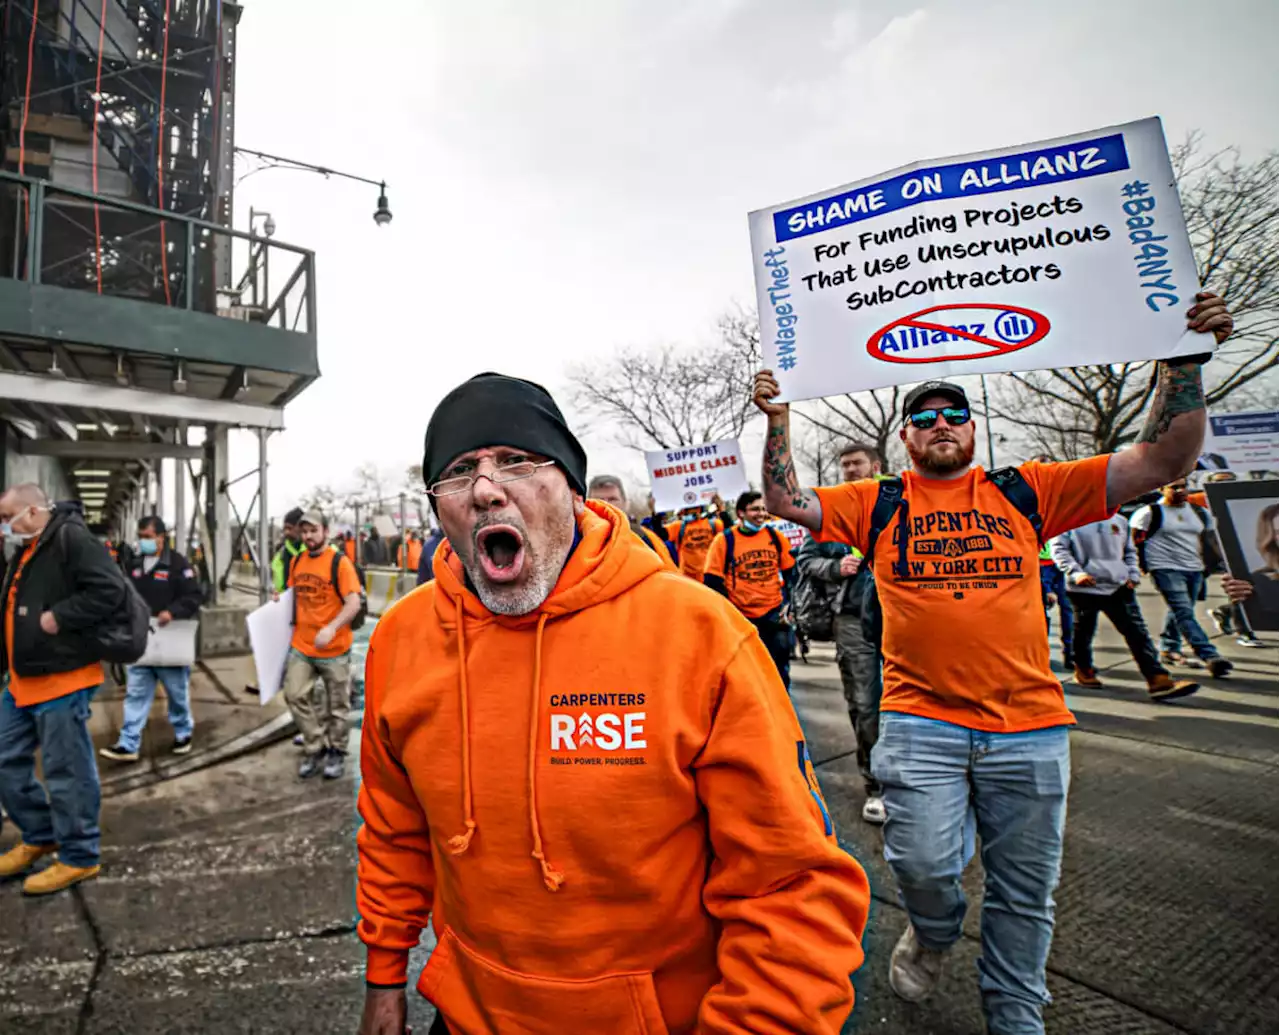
[[381, 215], [268, 222]]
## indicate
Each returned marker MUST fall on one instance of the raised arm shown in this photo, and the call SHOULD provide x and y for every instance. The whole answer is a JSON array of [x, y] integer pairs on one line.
[[1174, 433], [783, 494]]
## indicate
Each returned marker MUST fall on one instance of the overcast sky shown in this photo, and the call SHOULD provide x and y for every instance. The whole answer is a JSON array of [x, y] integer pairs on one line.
[[569, 178]]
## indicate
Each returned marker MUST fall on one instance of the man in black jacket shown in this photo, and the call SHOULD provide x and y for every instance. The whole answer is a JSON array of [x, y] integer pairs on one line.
[[168, 583], [60, 582]]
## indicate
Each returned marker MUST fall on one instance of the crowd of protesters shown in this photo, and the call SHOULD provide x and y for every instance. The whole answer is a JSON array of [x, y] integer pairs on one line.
[[580, 758], [585, 769]]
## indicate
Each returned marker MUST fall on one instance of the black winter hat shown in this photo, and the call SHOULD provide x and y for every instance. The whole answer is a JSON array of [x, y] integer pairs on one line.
[[496, 410]]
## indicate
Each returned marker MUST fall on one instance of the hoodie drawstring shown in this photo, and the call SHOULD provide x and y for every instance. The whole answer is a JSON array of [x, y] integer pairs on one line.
[[551, 877], [459, 843]]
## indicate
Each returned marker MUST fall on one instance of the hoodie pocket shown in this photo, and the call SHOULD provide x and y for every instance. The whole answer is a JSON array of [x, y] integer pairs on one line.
[[480, 997]]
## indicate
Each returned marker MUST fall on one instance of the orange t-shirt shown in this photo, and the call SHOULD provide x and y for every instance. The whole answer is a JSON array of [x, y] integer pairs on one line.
[[755, 581], [27, 690], [964, 635], [692, 548], [318, 604]]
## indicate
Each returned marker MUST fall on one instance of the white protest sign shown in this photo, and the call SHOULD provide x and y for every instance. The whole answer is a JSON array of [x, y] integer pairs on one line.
[[1063, 253], [270, 630], [1246, 441], [688, 476]]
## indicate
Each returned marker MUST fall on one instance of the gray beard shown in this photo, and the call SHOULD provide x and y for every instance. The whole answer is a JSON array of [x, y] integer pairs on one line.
[[513, 600], [533, 592]]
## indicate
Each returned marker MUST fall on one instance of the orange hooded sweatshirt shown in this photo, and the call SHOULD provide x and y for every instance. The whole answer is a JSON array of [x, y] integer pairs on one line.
[[609, 816]]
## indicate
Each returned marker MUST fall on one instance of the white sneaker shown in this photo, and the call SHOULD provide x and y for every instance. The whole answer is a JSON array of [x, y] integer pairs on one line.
[[914, 971], [873, 811]]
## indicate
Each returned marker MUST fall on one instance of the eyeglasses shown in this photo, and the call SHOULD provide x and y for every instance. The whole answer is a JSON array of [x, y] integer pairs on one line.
[[501, 475], [953, 415]]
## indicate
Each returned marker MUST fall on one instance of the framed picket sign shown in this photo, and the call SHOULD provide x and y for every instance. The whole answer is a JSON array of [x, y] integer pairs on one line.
[[1247, 514], [1065, 252]]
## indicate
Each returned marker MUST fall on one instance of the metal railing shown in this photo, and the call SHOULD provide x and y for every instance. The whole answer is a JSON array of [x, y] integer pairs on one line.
[[72, 238]]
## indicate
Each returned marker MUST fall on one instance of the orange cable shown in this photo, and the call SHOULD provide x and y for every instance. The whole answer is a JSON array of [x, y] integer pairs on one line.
[[97, 104], [164, 78], [26, 110]]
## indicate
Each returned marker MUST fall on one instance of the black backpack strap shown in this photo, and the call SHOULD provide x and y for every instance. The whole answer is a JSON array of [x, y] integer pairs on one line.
[[730, 566], [888, 502], [777, 544], [1157, 519], [1018, 491]]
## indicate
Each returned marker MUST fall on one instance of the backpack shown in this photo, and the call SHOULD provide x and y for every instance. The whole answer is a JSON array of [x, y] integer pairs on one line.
[[1212, 559], [812, 599], [120, 639], [358, 621]]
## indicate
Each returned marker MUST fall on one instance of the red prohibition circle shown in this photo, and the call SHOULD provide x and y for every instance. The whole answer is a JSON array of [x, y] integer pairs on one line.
[[994, 346]]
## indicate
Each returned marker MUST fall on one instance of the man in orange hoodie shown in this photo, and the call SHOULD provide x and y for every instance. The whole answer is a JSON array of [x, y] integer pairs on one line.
[[612, 827]]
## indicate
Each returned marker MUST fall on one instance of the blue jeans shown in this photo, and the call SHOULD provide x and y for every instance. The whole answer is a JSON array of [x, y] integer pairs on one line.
[[1181, 589], [140, 691], [1053, 580], [68, 815], [944, 783]]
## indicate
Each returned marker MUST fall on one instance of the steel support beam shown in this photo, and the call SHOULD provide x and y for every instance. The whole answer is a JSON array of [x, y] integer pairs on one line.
[[264, 522], [99, 449], [34, 388]]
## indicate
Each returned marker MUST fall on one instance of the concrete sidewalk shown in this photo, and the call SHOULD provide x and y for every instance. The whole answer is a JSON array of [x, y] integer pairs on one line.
[[229, 721]]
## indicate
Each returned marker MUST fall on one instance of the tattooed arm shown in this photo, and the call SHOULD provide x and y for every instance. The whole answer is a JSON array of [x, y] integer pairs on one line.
[[1173, 436], [783, 493]]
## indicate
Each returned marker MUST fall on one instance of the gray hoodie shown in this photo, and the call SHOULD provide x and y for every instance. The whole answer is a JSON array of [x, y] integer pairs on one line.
[[1104, 550]]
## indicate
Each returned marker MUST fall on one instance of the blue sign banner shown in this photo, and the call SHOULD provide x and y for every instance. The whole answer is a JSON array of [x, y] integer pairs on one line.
[[1049, 165]]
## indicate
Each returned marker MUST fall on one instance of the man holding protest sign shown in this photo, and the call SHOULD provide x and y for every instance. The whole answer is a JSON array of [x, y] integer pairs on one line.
[[973, 729]]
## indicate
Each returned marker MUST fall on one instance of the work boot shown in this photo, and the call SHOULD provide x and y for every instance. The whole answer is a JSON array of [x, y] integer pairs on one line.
[[21, 857], [914, 971], [334, 765], [1087, 677], [1162, 687], [311, 764], [1219, 667], [56, 877]]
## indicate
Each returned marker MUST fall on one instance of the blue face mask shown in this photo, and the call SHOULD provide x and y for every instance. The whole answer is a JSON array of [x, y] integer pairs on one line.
[[749, 528], [148, 547]]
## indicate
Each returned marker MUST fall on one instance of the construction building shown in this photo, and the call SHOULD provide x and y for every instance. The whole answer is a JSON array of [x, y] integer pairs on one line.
[[137, 326]]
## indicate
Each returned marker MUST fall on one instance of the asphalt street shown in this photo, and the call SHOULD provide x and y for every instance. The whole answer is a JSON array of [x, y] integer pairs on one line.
[[226, 902]]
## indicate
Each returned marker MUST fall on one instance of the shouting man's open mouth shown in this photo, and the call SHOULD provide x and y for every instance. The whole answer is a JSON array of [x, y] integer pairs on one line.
[[500, 550]]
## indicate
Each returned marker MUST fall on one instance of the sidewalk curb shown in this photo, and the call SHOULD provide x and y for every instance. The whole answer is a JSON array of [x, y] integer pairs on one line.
[[280, 728], [268, 733]]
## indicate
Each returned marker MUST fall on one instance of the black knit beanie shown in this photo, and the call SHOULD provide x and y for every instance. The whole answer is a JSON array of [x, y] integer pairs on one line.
[[496, 410]]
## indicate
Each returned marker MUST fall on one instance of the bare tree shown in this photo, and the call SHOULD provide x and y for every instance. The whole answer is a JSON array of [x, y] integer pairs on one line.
[[1231, 215], [871, 416], [675, 396], [374, 485]]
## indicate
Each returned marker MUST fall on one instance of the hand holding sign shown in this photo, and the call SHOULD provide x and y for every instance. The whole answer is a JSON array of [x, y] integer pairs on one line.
[[765, 390]]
